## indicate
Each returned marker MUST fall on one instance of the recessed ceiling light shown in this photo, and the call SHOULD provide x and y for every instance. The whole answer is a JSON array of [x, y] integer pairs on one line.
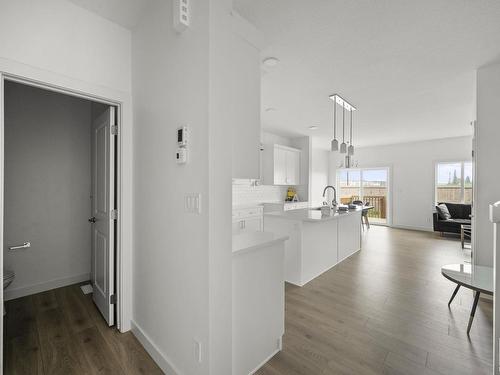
[[270, 61], [313, 127]]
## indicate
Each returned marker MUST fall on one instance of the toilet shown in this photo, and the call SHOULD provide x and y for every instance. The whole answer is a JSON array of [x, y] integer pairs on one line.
[[8, 278]]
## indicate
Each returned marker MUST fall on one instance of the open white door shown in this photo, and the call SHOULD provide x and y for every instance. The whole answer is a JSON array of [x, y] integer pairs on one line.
[[103, 220]]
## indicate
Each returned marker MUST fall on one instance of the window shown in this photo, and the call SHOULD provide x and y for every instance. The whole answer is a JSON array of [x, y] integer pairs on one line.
[[454, 182], [367, 185]]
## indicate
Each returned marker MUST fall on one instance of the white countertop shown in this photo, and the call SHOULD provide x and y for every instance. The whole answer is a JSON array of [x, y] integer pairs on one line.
[[253, 240], [310, 215], [243, 206]]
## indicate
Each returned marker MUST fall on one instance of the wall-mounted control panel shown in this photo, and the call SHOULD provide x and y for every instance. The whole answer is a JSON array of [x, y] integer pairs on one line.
[[181, 155], [181, 15], [182, 136]]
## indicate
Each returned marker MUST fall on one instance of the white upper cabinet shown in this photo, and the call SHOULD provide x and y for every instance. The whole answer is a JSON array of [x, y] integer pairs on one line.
[[280, 168], [246, 106], [292, 167], [280, 165]]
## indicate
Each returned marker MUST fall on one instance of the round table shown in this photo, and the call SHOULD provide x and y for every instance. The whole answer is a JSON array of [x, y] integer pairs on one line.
[[476, 278]]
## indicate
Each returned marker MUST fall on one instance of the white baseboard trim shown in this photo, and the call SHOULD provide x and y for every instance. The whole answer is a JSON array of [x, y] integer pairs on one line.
[[410, 227], [9, 293], [265, 361], [161, 360]]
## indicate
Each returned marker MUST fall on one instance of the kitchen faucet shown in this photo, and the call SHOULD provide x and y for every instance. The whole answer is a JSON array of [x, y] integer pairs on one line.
[[334, 201]]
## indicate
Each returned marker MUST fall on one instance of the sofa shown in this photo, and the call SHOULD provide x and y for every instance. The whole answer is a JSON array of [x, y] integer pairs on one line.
[[460, 214]]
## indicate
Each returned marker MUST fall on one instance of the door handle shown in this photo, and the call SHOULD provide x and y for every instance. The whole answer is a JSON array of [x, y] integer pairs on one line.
[[23, 246], [92, 220]]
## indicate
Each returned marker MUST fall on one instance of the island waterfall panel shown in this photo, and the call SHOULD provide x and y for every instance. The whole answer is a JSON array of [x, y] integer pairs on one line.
[[317, 242]]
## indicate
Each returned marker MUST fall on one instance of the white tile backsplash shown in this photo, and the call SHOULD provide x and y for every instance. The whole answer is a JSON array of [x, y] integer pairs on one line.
[[245, 192]]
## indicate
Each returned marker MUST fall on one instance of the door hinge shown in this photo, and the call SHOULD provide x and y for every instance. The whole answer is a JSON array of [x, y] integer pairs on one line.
[[112, 299], [114, 214], [114, 130]]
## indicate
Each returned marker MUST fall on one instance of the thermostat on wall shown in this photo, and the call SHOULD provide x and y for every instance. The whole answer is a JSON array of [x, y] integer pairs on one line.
[[182, 136], [181, 156]]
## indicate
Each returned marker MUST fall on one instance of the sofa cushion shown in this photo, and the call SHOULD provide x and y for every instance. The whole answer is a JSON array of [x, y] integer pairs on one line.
[[443, 212], [459, 221], [459, 210]]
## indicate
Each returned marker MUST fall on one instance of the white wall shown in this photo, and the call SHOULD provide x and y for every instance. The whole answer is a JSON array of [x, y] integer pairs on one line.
[[47, 188], [319, 175], [182, 262], [271, 138], [487, 182], [412, 173], [170, 89], [223, 91], [57, 36]]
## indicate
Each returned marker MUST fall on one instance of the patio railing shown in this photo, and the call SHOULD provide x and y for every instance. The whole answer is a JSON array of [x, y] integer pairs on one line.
[[377, 201]]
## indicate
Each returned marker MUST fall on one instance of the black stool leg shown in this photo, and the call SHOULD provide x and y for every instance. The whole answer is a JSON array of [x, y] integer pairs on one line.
[[473, 311], [454, 294]]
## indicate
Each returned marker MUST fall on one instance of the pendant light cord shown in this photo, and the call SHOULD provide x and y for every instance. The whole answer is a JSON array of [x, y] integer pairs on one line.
[[335, 118], [343, 124], [350, 141]]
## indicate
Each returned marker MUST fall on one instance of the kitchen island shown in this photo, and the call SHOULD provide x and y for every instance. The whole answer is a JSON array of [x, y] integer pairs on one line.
[[316, 242]]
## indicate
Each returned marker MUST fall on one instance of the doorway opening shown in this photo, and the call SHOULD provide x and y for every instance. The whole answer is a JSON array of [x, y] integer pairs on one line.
[[60, 201]]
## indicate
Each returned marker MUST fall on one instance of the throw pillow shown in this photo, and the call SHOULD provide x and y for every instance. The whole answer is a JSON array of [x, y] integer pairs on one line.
[[443, 212]]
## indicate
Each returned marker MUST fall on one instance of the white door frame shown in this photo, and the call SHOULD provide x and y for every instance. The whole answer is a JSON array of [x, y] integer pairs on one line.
[[25, 74]]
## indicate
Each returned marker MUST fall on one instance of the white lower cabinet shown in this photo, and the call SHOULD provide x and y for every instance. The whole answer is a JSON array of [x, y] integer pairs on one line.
[[248, 219]]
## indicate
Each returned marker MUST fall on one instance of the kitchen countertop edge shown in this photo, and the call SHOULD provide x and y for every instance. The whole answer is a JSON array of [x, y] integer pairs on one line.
[[304, 215]]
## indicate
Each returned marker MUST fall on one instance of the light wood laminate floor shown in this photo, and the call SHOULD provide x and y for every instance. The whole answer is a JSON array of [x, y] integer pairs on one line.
[[384, 311], [61, 332]]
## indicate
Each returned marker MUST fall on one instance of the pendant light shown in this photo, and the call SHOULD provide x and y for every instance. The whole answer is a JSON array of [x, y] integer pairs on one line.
[[335, 143], [343, 146], [350, 149]]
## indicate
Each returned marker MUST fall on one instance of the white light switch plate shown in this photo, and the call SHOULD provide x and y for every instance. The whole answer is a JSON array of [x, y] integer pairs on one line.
[[192, 203]]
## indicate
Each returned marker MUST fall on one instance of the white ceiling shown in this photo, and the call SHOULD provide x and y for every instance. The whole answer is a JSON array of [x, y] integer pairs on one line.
[[409, 66], [123, 12]]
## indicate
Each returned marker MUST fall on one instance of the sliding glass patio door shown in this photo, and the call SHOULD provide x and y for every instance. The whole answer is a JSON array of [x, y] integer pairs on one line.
[[369, 185]]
